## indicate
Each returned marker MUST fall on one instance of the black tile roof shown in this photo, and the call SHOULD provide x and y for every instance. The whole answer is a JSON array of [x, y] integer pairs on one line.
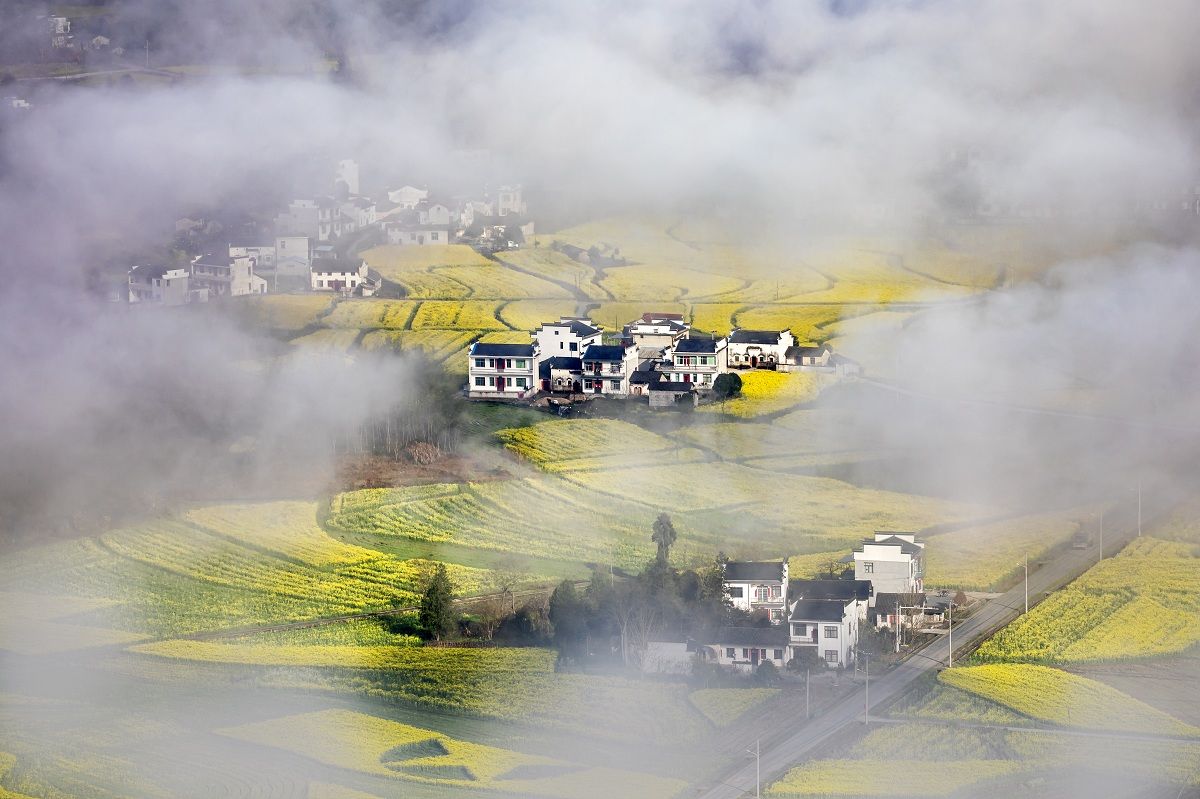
[[887, 601], [641, 378], [750, 636], [148, 271], [754, 337], [673, 386], [696, 345], [213, 259], [332, 266], [905, 547], [805, 352], [819, 610], [565, 362], [739, 571], [504, 350], [604, 352], [831, 589]]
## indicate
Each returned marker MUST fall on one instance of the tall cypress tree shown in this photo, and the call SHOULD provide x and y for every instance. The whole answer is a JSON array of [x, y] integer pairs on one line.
[[436, 616]]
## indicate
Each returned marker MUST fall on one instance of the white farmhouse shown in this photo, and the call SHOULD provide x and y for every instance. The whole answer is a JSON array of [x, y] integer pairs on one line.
[[329, 274], [162, 285], [752, 349], [828, 626], [293, 255], [502, 371], [408, 196], [807, 358], [225, 276], [893, 562], [697, 361], [260, 253], [857, 591], [746, 648], [754, 587], [569, 336], [656, 330], [607, 368]]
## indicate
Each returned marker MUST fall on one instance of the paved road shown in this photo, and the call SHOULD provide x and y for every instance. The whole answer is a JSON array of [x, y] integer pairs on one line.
[[784, 753]]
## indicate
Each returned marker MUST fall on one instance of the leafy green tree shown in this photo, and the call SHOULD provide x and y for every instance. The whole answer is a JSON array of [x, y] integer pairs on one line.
[[569, 618], [727, 385], [436, 615], [664, 536]]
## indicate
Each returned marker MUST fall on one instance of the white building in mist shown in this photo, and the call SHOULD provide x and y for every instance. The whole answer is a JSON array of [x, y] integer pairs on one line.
[[754, 586], [827, 626], [222, 275], [408, 196], [893, 562], [753, 349], [346, 174], [347, 277], [569, 337], [161, 285], [502, 371], [656, 330], [695, 361]]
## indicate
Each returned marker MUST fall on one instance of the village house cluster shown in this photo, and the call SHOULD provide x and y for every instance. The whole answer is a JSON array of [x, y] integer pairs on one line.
[[657, 356], [309, 248], [811, 620]]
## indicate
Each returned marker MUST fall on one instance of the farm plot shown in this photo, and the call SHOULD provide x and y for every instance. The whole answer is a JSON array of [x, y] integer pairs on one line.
[[327, 341], [1138, 604], [557, 267], [1061, 698], [807, 322], [723, 706], [713, 318], [436, 345], [283, 528], [982, 558], [549, 442], [529, 314], [495, 281], [859, 778], [39, 624], [639, 282], [289, 313], [470, 315], [372, 314], [373, 745], [870, 276], [766, 392]]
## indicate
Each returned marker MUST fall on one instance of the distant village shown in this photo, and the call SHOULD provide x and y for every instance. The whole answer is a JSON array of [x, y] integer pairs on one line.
[[657, 356], [812, 622], [308, 248]]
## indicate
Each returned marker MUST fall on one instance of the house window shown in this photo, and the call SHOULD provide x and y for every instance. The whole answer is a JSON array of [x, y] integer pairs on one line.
[[614, 384], [779, 654], [574, 347], [730, 652], [491, 362], [745, 653], [479, 363], [434, 236], [479, 381], [776, 591], [520, 363], [831, 631], [831, 656], [868, 567], [520, 382], [491, 381], [736, 591], [799, 630], [776, 615]]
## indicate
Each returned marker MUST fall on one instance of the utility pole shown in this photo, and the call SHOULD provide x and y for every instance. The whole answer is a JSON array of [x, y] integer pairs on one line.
[[1101, 537], [807, 706], [1026, 565], [757, 768], [951, 635], [867, 695]]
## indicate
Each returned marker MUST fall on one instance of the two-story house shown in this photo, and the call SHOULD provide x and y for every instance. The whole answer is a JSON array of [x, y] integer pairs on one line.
[[226, 276], [427, 223], [656, 330], [753, 349], [561, 374], [830, 626], [159, 284], [293, 255], [607, 368], [754, 586], [569, 337], [697, 361], [502, 371], [893, 562], [857, 591]]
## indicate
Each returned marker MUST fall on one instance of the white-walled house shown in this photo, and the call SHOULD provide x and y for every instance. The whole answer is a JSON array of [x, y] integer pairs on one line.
[[293, 255], [502, 371], [261, 254], [747, 648], [569, 336], [159, 284], [830, 626], [697, 361], [890, 610], [408, 196], [755, 586], [607, 368], [858, 591], [225, 276], [753, 349], [656, 330], [329, 274], [806, 358], [561, 374], [893, 562], [347, 173]]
